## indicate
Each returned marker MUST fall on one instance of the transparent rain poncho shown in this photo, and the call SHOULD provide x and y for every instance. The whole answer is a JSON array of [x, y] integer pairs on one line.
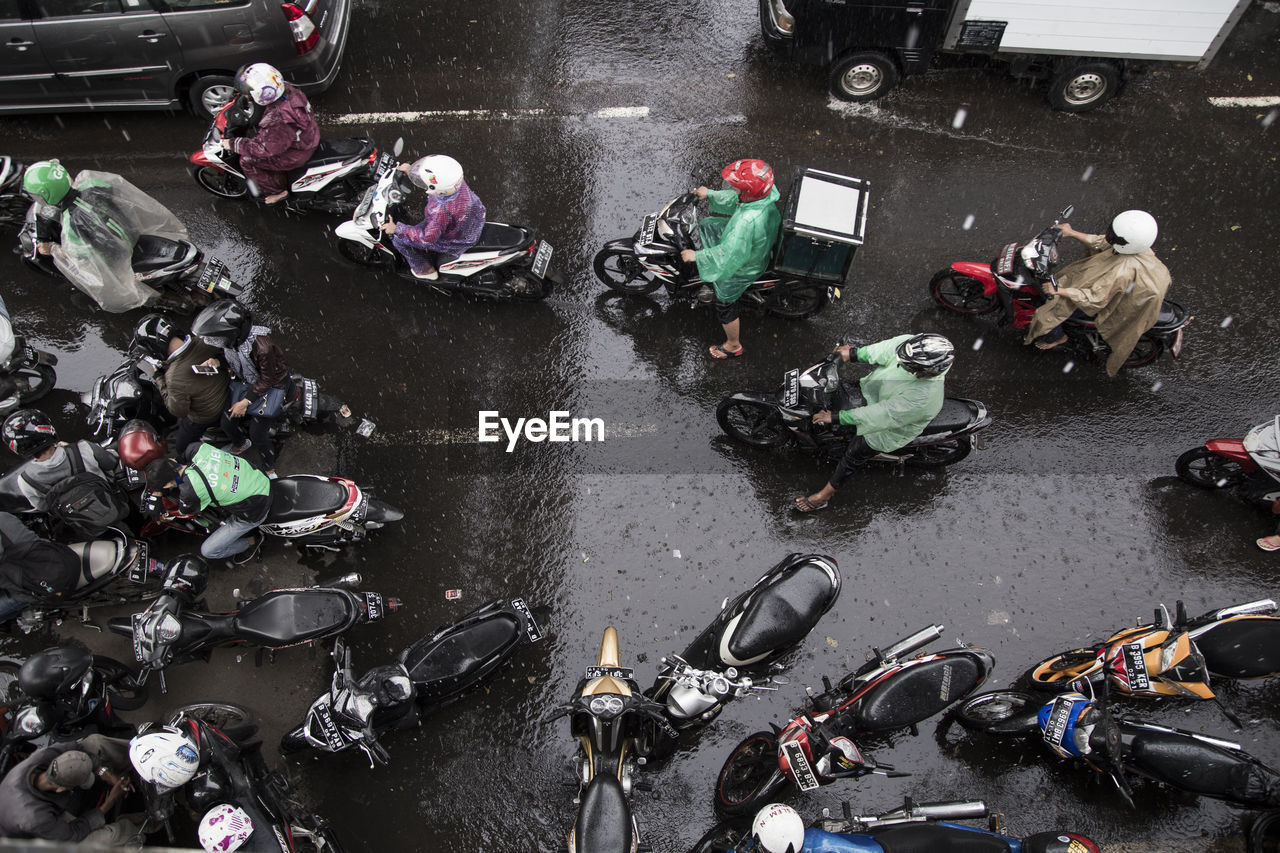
[[99, 230]]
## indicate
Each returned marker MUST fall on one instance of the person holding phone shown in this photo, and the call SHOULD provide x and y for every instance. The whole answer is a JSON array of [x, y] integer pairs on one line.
[[194, 387]]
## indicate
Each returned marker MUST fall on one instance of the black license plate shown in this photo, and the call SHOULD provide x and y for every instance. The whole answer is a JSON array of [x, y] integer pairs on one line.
[[531, 629], [386, 163], [138, 568], [373, 606], [310, 398], [648, 229], [791, 388], [332, 735], [619, 673], [1135, 666], [806, 779], [542, 259], [1055, 730], [214, 275]]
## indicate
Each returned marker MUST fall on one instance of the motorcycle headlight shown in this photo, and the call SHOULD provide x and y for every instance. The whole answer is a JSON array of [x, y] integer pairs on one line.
[[31, 722], [169, 629], [607, 706]]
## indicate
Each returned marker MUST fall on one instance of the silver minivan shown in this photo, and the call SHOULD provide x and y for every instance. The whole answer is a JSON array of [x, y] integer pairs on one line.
[[64, 55]]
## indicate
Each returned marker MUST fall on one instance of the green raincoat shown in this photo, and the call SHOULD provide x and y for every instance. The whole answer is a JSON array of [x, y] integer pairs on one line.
[[735, 251], [899, 405]]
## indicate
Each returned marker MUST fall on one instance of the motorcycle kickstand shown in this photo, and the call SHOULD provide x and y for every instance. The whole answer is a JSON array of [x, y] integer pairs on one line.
[[84, 619]]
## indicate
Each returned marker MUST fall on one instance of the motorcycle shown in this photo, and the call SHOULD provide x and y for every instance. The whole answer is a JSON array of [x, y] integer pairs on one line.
[[890, 691], [1012, 282], [232, 770], [1251, 464], [27, 375], [607, 715], [1074, 725], [331, 181], [651, 259], [176, 629], [1174, 656], [13, 200], [749, 633], [427, 675], [508, 262], [913, 826], [764, 419]]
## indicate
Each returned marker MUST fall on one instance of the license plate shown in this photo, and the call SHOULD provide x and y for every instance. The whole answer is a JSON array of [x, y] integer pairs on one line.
[[1176, 349], [805, 778], [791, 388], [137, 638], [542, 259], [1055, 730], [309, 398], [373, 606], [386, 163], [214, 276], [1135, 666], [619, 673], [134, 478], [532, 631], [648, 229], [138, 568], [30, 354], [332, 735]]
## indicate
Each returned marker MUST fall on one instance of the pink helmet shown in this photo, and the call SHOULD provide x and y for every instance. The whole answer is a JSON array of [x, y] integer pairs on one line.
[[751, 178], [224, 828]]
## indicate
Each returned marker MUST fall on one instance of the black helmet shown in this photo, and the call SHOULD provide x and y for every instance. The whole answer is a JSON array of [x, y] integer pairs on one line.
[[153, 334], [29, 432], [187, 576], [226, 323], [926, 355], [53, 671]]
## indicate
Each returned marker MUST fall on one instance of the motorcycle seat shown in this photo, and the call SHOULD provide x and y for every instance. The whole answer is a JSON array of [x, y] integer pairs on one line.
[[930, 838], [152, 253], [335, 151], [97, 559], [497, 237], [1224, 647], [918, 691], [1194, 766], [290, 616], [294, 498], [462, 655], [604, 818], [955, 414], [779, 615]]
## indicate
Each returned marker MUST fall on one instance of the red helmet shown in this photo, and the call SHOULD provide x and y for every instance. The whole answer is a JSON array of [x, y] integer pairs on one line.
[[140, 445], [751, 178]]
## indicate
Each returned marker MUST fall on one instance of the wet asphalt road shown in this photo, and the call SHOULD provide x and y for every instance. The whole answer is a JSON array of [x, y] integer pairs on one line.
[[1067, 527]]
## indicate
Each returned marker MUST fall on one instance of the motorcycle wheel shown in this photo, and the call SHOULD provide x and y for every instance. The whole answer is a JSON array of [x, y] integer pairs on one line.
[[621, 270], [940, 454], [960, 293], [798, 303], [1056, 674], [220, 183], [10, 692], [1145, 351], [123, 689], [751, 777], [749, 422], [39, 380], [725, 837], [1004, 712], [1205, 469], [13, 209], [236, 722], [293, 741], [365, 256]]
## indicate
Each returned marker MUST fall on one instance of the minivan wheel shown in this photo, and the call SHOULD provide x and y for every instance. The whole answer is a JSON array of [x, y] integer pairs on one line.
[[208, 95], [862, 76]]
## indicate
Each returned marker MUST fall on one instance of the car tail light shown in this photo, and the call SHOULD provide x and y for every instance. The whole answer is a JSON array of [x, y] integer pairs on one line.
[[786, 23], [305, 35]]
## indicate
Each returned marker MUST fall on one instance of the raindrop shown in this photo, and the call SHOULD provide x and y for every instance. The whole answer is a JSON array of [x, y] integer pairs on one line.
[[1269, 118], [977, 345], [1226, 321], [1068, 367], [58, 119], [1223, 483], [968, 222], [958, 121], [1088, 173], [1157, 386], [1129, 289], [676, 554], [125, 134]]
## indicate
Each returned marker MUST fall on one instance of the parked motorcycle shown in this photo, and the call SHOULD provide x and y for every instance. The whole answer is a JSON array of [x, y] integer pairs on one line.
[[741, 643], [508, 261], [13, 200], [607, 714], [773, 419], [651, 259], [890, 691], [1251, 464], [27, 375], [233, 771], [1074, 725], [914, 826], [176, 628], [434, 671], [1012, 283], [331, 181]]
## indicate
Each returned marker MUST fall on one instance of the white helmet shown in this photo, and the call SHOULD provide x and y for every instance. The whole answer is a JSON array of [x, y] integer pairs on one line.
[[262, 82], [1132, 232], [224, 828], [438, 174], [778, 829], [166, 759]]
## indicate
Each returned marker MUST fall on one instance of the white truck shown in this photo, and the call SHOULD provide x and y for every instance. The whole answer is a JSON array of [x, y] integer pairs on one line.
[[1084, 49]]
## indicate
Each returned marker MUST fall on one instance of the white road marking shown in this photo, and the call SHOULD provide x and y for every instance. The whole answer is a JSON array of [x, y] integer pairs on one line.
[[424, 115], [1256, 101]]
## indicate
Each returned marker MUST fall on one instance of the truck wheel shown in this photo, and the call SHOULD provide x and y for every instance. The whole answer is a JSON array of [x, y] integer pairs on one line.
[[1084, 86], [862, 76]]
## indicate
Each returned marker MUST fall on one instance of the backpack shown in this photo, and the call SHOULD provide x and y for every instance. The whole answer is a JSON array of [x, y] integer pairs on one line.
[[83, 503]]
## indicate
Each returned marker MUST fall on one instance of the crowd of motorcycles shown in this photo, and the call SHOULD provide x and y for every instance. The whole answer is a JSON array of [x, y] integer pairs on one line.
[[624, 731]]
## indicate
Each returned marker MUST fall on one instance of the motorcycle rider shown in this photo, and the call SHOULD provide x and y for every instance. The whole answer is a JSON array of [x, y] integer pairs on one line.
[[32, 569], [90, 227], [196, 397], [903, 394], [1121, 285], [30, 434], [262, 382], [778, 828], [451, 221], [286, 135], [236, 490], [735, 251]]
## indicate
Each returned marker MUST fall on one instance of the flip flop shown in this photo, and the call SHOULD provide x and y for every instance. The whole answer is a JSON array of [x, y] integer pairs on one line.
[[801, 504], [719, 353], [1267, 543]]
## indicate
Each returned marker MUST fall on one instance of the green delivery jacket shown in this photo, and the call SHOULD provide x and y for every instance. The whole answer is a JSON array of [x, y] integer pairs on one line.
[[899, 405], [736, 250]]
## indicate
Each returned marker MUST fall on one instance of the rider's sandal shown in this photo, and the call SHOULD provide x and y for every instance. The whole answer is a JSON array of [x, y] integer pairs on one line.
[[802, 504], [719, 353], [1269, 543]]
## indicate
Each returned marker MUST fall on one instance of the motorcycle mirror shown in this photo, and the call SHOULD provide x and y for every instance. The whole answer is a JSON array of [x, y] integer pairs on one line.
[[779, 679], [1067, 211], [398, 147]]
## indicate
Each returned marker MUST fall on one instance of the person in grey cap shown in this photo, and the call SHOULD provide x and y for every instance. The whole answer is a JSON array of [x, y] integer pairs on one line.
[[45, 796]]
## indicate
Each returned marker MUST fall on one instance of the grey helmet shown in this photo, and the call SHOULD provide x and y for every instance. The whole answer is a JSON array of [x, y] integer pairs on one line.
[[926, 354]]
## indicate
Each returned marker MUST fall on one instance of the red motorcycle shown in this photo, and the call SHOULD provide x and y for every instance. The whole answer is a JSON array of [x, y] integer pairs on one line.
[[890, 691], [1251, 464], [1012, 283]]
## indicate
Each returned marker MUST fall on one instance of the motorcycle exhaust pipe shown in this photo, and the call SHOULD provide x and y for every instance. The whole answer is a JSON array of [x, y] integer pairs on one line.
[[343, 582]]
